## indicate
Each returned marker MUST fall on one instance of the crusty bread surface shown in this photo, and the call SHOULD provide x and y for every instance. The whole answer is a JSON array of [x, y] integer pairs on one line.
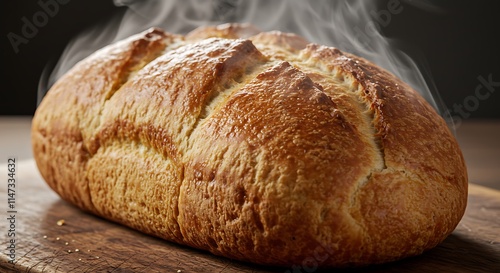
[[260, 147]]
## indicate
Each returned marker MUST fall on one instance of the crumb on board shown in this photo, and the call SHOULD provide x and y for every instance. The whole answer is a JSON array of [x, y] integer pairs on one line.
[[61, 222], [77, 250], [66, 243], [179, 271], [57, 239], [45, 236], [69, 251]]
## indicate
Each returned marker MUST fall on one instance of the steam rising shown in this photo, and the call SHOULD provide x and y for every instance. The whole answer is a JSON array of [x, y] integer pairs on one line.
[[352, 26]]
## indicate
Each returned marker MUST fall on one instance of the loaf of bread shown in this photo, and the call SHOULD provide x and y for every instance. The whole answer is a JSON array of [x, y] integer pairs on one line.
[[260, 147]]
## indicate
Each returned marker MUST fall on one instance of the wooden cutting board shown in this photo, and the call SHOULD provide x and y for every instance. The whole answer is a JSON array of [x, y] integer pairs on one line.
[[86, 243]]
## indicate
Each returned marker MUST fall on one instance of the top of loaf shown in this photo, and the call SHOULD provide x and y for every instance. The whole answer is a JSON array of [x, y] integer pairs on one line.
[[275, 143]]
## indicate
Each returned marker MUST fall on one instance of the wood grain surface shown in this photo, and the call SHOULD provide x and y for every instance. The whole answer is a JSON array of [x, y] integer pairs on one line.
[[86, 243]]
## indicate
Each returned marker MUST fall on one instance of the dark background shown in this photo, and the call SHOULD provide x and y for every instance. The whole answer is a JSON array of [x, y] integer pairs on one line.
[[459, 43]]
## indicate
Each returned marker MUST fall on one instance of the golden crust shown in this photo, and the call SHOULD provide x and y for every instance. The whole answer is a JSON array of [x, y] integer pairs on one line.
[[264, 149]]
